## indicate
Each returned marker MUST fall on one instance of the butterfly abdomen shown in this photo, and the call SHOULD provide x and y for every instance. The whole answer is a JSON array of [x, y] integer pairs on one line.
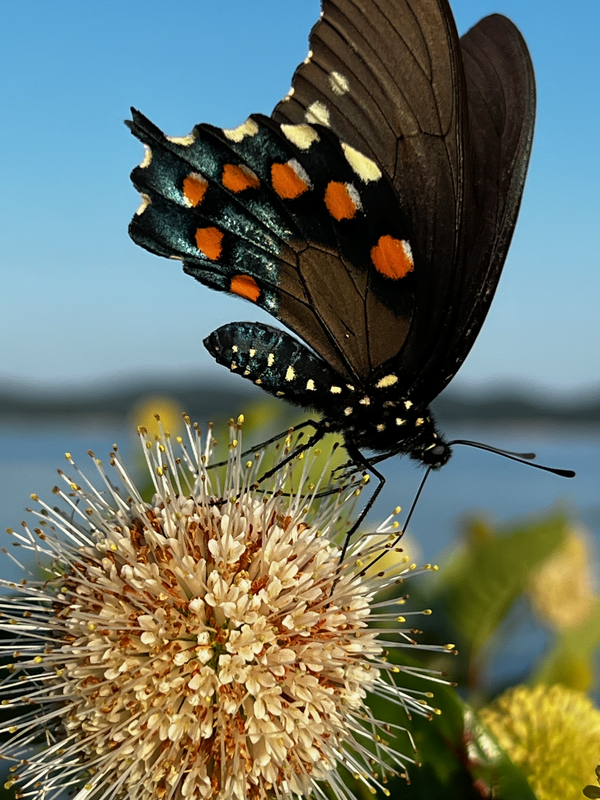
[[278, 363], [377, 417]]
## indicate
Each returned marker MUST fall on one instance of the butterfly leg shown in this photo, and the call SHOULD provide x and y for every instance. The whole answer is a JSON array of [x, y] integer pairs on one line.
[[366, 465], [310, 442], [307, 423]]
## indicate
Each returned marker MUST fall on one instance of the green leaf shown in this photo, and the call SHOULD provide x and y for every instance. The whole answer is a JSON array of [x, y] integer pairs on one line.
[[459, 757], [479, 585]]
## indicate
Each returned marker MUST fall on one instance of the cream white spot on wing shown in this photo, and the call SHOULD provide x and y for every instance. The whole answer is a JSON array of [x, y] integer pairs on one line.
[[318, 113], [143, 205], [400, 421], [308, 57], [387, 380], [270, 359], [408, 404], [419, 421], [350, 387], [339, 83], [381, 427], [147, 160], [365, 401], [280, 394], [235, 348], [303, 136], [248, 128], [290, 374], [252, 353], [310, 385], [348, 411], [186, 141], [336, 390], [366, 169]]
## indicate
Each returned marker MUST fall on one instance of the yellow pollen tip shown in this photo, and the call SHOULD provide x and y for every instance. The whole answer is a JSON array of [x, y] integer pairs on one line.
[[240, 419], [159, 471], [427, 612], [400, 619], [38, 660], [449, 646], [34, 497]]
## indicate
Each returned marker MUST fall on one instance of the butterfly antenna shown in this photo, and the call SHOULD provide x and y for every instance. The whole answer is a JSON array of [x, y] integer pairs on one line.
[[522, 458]]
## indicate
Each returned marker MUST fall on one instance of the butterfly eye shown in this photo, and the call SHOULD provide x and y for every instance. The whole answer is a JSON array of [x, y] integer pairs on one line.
[[439, 450]]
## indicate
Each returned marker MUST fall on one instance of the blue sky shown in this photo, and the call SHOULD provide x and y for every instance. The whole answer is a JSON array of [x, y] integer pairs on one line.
[[82, 305]]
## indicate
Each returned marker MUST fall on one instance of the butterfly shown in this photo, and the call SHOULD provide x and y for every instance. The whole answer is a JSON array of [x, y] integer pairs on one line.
[[371, 214]]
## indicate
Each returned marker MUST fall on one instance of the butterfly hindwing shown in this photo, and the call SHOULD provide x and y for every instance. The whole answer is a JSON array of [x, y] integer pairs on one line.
[[290, 219]]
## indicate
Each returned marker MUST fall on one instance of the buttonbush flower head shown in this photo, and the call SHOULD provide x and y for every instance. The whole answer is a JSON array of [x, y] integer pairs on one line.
[[552, 733], [210, 643]]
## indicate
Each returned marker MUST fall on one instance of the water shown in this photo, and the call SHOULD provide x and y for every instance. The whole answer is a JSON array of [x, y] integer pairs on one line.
[[472, 482]]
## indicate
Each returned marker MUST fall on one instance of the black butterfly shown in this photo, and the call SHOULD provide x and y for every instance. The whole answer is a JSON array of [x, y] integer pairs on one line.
[[371, 214]]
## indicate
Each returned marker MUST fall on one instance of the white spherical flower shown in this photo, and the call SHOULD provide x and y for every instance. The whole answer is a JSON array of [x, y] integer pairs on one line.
[[209, 644]]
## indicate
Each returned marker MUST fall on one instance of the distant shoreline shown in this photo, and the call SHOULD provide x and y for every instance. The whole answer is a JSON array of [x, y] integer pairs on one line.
[[213, 401]]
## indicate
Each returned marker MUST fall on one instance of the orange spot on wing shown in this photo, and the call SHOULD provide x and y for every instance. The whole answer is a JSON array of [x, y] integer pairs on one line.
[[286, 182], [208, 241], [339, 202], [194, 189], [238, 178], [392, 257], [245, 286]]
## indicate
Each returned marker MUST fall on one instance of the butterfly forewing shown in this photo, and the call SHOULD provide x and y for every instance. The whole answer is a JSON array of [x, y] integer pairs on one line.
[[388, 79]]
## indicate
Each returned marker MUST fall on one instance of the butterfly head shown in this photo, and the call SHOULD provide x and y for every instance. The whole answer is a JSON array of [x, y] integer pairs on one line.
[[434, 455]]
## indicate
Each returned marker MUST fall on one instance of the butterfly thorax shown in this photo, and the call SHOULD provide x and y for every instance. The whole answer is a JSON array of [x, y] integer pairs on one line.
[[378, 421]]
